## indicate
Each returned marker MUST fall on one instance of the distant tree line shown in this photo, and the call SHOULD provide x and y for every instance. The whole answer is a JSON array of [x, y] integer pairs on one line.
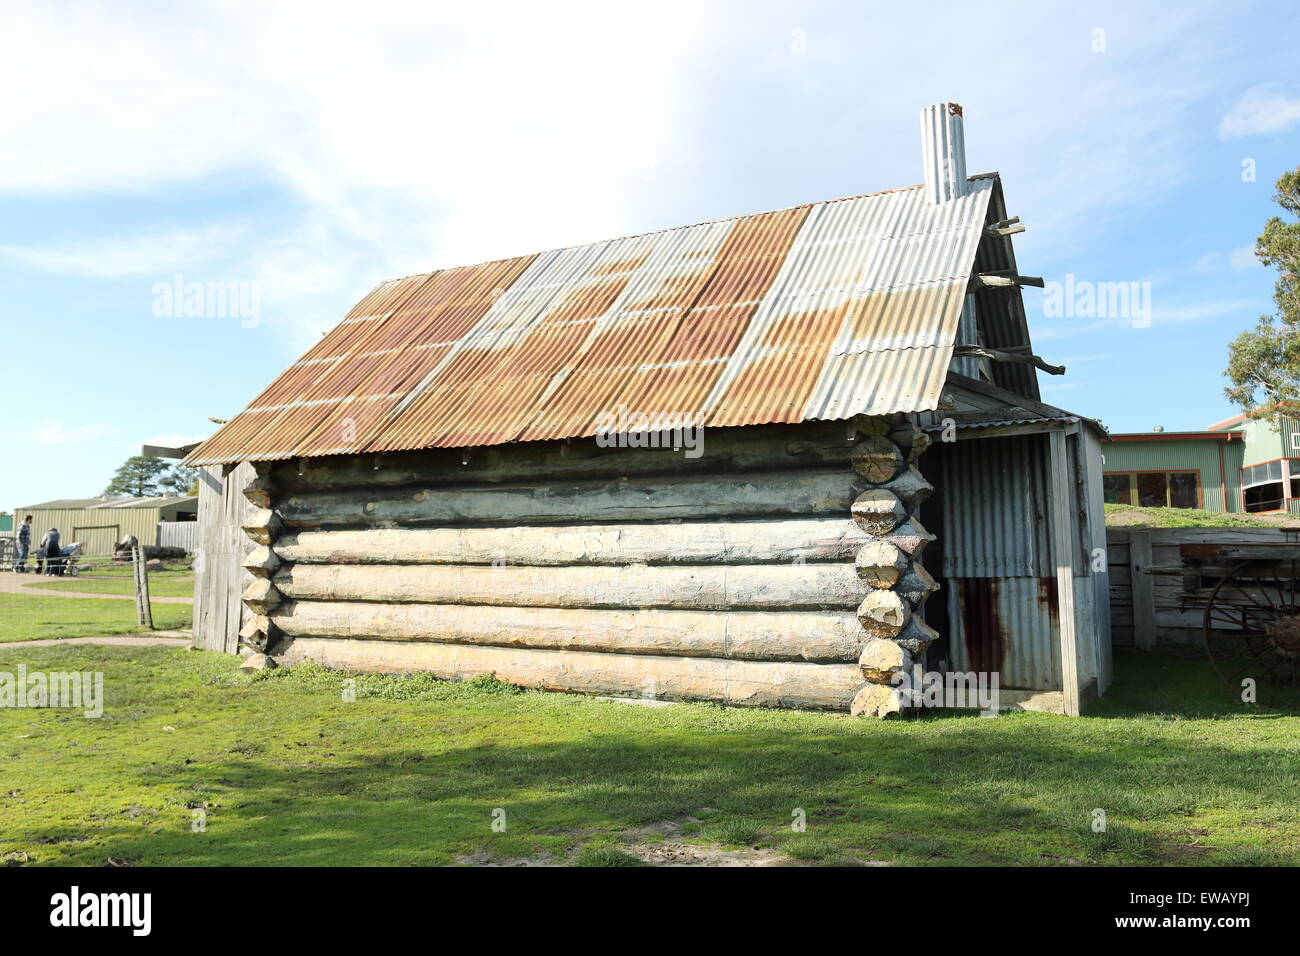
[[143, 477]]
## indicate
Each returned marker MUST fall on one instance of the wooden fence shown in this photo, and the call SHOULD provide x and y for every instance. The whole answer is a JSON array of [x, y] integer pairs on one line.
[[1149, 603], [178, 534]]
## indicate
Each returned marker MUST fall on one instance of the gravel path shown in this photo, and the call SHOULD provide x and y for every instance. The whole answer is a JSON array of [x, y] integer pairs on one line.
[[11, 583], [157, 639]]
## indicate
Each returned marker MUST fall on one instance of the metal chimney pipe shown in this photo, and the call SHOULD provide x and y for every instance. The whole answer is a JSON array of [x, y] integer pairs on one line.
[[943, 152]]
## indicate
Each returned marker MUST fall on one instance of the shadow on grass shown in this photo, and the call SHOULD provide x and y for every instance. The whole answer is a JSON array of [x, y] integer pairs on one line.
[[287, 774], [965, 796], [1172, 682]]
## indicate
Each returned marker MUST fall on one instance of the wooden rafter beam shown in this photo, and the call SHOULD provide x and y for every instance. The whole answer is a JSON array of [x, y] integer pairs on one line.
[[1012, 354]]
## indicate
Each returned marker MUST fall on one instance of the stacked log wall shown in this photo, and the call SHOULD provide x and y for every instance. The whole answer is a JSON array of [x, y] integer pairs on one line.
[[731, 576]]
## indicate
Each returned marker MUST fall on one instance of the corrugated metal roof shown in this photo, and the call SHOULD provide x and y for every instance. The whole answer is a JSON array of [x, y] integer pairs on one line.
[[74, 504], [822, 311]]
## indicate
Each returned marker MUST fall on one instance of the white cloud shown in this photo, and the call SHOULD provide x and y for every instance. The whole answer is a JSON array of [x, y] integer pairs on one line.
[[1263, 109], [412, 135], [152, 254], [1208, 262], [51, 432], [1244, 258]]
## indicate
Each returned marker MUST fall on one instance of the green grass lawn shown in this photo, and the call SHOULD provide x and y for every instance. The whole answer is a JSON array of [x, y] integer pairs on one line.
[[31, 617], [414, 771], [1131, 516], [107, 578]]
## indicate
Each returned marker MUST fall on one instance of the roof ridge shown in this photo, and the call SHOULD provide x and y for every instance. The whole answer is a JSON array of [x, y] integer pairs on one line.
[[655, 232]]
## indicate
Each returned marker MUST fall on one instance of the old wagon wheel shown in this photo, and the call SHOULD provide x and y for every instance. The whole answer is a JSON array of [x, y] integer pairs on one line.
[[1252, 630]]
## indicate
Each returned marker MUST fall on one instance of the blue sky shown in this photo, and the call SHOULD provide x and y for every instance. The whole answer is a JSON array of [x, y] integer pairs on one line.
[[311, 155]]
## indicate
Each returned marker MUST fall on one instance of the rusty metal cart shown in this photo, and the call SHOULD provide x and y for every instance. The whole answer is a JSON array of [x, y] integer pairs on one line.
[[1251, 596]]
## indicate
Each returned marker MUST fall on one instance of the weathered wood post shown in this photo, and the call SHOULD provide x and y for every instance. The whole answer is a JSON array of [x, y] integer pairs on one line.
[[143, 607], [259, 634], [890, 563], [1143, 585]]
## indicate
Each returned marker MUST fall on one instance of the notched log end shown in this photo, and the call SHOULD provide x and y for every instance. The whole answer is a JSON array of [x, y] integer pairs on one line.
[[878, 511], [261, 596], [258, 491], [262, 561], [876, 700], [264, 527]]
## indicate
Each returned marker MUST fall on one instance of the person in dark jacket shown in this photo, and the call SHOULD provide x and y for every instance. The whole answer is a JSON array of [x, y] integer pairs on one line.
[[24, 542], [53, 552]]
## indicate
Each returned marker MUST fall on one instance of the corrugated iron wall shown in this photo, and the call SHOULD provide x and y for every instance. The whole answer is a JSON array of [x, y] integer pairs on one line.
[[1165, 454], [999, 568], [996, 508], [97, 529]]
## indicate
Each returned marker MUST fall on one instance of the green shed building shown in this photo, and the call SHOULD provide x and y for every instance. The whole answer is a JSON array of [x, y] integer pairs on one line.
[[1241, 464]]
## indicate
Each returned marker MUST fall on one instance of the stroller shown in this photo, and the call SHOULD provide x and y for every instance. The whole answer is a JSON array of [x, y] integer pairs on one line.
[[70, 555], [66, 563]]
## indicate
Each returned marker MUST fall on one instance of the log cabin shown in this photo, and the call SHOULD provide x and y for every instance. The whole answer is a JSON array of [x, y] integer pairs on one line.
[[792, 459]]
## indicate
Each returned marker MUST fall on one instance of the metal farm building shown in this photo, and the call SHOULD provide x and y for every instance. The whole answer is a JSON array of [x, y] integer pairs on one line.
[[496, 468], [100, 523]]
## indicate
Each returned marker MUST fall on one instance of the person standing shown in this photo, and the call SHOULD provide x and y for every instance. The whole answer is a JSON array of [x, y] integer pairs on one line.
[[53, 552], [24, 541]]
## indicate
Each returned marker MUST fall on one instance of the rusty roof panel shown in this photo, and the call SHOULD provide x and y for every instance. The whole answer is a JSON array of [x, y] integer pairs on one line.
[[815, 312]]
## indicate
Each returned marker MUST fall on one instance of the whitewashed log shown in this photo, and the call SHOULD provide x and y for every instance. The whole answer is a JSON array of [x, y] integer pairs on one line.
[[742, 635], [767, 493], [916, 585], [881, 563], [263, 526], [877, 459], [251, 635], [883, 614], [262, 561], [881, 659], [911, 488], [916, 636], [725, 451], [686, 587], [875, 426], [258, 491], [876, 700], [878, 511], [736, 683], [261, 596], [759, 541], [911, 439], [911, 537]]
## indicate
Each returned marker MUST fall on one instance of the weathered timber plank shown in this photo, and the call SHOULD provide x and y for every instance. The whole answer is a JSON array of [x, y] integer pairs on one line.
[[766, 493], [687, 587], [740, 635], [1144, 608], [757, 541], [760, 448], [737, 683]]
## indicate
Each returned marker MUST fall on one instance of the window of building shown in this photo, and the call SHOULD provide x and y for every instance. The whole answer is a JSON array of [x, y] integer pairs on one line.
[[1264, 486], [1153, 489], [1115, 489]]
